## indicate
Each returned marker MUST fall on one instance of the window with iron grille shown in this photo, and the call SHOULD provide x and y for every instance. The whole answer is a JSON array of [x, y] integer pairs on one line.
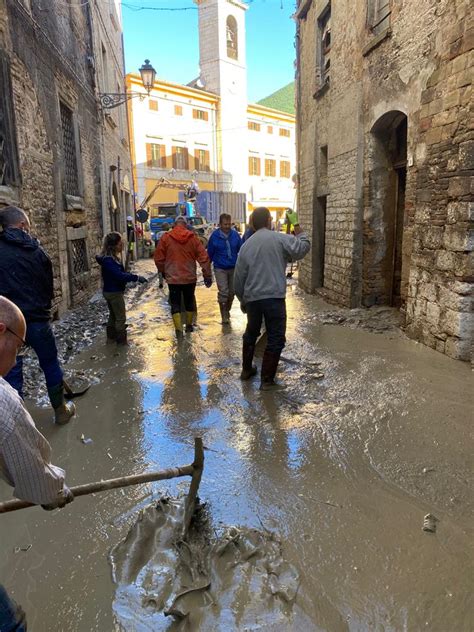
[[71, 179], [8, 153], [79, 259]]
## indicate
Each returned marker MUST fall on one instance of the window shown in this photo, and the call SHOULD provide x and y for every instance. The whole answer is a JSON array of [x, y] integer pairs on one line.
[[270, 167], [323, 162], [71, 179], [255, 127], [8, 151], [79, 258], [232, 37], [324, 61], [284, 168], [284, 132], [153, 105], [180, 158], [201, 115], [270, 129], [201, 160], [378, 15], [254, 166], [178, 110], [156, 155]]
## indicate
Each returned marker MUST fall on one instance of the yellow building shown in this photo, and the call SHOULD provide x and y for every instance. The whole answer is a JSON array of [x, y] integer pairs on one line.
[[207, 132]]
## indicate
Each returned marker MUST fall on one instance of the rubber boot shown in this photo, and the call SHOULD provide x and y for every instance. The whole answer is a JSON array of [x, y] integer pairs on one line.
[[121, 338], [63, 411], [178, 324], [189, 322], [248, 369], [224, 313], [228, 307], [269, 369], [111, 334]]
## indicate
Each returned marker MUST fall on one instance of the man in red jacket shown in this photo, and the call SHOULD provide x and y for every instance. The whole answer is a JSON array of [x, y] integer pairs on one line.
[[175, 257]]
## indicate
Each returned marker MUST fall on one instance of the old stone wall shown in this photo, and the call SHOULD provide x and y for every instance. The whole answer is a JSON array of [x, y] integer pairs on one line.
[[49, 50], [418, 70]]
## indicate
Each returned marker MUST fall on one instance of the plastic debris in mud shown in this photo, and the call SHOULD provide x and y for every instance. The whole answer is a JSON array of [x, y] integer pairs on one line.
[[429, 523]]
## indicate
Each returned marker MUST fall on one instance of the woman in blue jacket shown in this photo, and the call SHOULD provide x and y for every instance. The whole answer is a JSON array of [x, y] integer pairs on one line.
[[223, 248], [114, 280]]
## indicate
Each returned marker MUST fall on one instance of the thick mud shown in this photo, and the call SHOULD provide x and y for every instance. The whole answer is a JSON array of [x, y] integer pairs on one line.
[[371, 434]]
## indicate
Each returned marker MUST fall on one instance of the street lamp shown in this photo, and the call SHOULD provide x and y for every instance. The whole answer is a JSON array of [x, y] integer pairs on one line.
[[109, 100]]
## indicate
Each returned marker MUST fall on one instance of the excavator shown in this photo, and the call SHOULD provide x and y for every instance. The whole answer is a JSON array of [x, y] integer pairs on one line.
[[167, 212]]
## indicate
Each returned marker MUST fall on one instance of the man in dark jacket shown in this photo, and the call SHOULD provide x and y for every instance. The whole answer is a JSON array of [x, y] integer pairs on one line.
[[26, 278], [223, 248]]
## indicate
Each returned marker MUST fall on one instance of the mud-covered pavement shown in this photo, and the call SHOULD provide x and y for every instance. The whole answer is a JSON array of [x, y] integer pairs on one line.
[[371, 433]]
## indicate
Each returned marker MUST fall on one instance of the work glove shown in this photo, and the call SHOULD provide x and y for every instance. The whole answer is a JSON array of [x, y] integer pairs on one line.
[[64, 498], [142, 279], [292, 218], [208, 281]]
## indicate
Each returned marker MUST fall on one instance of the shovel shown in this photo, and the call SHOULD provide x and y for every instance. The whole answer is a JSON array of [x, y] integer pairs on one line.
[[71, 391], [194, 470]]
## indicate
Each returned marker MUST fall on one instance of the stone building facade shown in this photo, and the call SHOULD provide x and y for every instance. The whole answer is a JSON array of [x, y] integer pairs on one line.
[[52, 139], [385, 153]]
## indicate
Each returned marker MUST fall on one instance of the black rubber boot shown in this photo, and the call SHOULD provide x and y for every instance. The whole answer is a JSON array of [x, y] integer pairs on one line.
[[248, 369], [224, 313], [269, 369], [122, 338], [111, 334]]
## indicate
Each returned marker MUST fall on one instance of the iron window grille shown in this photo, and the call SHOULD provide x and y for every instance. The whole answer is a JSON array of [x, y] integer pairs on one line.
[[71, 179], [79, 261]]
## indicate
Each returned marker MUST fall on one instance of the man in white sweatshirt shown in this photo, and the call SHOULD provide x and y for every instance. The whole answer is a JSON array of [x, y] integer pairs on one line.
[[260, 286]]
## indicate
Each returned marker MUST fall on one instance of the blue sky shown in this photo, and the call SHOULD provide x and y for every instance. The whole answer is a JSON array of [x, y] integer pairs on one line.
[[170, 40]]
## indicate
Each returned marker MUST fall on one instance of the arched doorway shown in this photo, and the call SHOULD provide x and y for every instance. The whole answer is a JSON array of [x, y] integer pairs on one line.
[[385, 210]]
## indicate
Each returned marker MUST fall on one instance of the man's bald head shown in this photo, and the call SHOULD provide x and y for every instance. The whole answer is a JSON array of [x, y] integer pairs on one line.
[[10, 315], [12, 334]]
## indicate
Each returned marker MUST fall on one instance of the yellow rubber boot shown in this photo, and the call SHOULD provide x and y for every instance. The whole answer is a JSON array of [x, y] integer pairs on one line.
[[189, 322], [178, 325]]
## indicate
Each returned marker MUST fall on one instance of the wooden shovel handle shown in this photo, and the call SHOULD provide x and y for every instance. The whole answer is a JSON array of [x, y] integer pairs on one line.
[[194, 470]]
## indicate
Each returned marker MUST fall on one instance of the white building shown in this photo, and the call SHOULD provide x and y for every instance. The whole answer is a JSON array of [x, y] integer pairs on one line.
[[207, 130]]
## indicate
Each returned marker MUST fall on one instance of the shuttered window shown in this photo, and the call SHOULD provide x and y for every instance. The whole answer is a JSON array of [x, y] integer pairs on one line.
[[284, 168], [156, 155], [202, 160], [255, 127], [254, 166], [270, 167], [180, 158], [378, 15], [284, 132], [153, 105], [9, 174], [178, 110], [270, 129], [201, 115]]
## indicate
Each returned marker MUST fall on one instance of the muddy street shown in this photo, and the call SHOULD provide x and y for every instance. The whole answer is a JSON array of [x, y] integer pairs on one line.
[[369, 436]]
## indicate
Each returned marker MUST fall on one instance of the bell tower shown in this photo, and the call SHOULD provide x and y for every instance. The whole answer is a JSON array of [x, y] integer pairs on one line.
[[223, 71]]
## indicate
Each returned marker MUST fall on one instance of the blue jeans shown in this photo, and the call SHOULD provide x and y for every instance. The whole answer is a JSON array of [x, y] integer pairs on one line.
[[12, 617], [40, 337], [273, 310]]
